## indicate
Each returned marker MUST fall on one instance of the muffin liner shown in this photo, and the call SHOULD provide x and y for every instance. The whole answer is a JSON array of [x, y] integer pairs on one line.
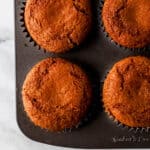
[[25, 31], [83, 122], [145, 51], [117, 122], [123, 126]]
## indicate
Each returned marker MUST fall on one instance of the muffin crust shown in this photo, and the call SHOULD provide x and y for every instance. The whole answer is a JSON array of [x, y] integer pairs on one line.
[[56, 94], [58, 26], [127, 22]]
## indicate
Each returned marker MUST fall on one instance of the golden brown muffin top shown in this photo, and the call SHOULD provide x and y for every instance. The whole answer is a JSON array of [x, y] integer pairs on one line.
[[126, 92], [58, 25], [56, 94], [128, 22]]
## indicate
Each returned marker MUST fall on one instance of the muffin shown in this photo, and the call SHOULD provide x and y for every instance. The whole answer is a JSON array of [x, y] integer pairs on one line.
[[58, 26], [127, 22], [56, 94], [126, 92]]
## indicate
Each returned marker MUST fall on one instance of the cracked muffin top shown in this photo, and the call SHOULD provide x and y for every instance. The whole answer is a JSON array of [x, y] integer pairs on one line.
[[58, 25], [56, 94], [126, 92], [127, 22]]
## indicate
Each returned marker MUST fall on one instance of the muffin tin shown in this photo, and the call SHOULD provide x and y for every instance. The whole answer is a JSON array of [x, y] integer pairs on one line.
[[96, 56]]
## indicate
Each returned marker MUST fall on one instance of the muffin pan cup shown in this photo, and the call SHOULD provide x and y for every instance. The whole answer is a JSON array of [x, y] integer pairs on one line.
[[35, 43], [117, 122], [144, 50], [96, 56]]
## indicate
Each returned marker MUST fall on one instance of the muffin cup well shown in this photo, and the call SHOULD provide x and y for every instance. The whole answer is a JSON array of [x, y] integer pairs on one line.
[[118, 123], [87, 115], [145, 51]]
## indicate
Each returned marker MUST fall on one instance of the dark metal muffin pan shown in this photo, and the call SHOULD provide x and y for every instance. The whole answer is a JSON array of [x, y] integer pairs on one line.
[[96, 56]]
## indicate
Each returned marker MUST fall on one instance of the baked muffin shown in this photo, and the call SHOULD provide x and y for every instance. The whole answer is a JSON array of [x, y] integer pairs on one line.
[[127, 22], [126, 92], [58, 26], [56, 94]]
